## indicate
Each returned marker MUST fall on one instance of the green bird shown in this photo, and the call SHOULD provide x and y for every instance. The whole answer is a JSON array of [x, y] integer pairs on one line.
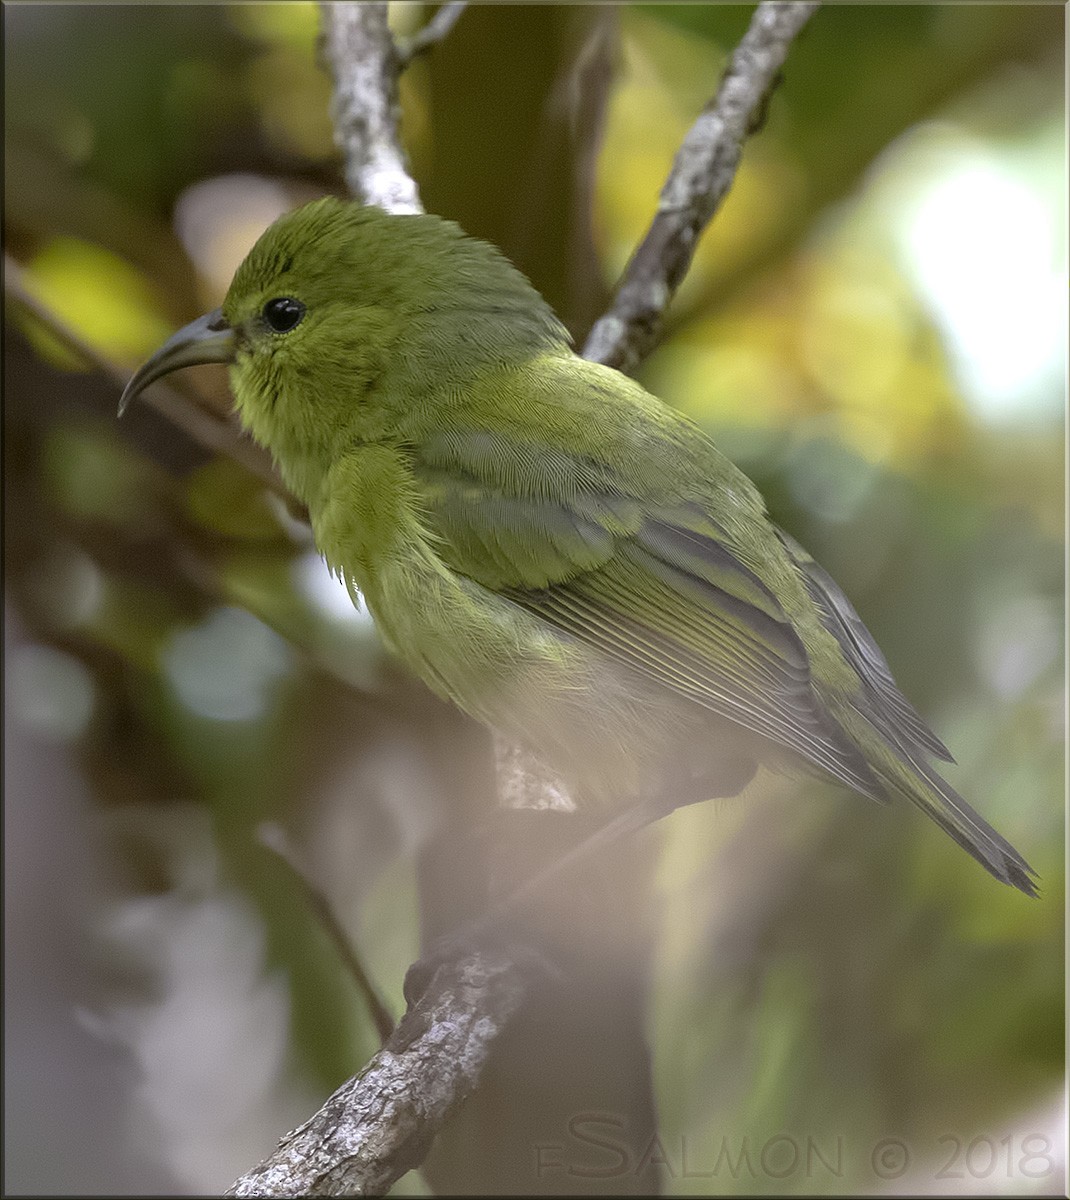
[[542, 541]]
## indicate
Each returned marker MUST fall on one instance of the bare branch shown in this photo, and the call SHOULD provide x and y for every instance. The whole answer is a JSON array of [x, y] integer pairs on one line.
[[364, 65], [432, 33], [380, 1123], [273, 837], [702, 172]]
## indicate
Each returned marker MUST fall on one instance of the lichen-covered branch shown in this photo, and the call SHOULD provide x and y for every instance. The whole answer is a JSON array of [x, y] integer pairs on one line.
[[364, 63], [380, 1123], [702, 172]]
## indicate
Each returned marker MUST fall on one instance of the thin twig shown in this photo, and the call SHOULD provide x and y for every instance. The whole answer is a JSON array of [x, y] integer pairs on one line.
[[213, 432], [432, 33], [273, 837], [702, 172]]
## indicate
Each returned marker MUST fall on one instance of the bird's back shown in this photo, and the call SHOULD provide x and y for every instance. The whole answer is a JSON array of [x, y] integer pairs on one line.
[[567, 491]]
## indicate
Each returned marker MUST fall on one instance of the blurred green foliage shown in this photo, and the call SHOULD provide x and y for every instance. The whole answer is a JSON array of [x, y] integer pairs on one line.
[[825, 970]]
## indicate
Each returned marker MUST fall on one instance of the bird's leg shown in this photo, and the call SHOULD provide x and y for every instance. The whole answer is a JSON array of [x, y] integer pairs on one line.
[[493, 925], [528, 790]]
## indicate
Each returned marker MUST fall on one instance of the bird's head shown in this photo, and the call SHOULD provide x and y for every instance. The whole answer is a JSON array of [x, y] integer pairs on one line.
[[345, 323]]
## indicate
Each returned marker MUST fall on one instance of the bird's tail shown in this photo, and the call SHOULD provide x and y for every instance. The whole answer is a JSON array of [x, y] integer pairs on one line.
[[896, 742], [915, 780]]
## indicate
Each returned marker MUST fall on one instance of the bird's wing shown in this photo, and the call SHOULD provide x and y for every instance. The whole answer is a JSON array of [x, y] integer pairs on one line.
[[650, 582], [887, 704]]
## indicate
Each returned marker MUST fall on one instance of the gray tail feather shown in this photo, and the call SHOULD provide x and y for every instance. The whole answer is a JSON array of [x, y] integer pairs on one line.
[[908, 739], [939, 801]]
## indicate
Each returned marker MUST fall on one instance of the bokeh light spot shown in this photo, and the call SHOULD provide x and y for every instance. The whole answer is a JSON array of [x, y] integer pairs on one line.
[[225, 667], [326, 591], [50, 692], [980, 239]]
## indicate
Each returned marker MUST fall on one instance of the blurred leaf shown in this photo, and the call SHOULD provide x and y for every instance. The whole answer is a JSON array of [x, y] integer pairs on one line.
[[96, 476], [227, 499], [100, 297]]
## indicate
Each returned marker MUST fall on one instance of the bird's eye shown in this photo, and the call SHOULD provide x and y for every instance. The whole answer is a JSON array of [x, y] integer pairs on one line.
[[283, 313]]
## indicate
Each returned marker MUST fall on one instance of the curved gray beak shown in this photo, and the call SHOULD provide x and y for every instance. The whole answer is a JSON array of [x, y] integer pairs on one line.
[[209, 339]]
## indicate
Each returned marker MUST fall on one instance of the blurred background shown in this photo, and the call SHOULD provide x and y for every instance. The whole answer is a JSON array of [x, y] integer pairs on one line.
[[874, 329]]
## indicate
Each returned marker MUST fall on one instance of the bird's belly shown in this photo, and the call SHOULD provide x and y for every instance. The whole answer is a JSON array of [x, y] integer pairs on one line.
[[613, 736]]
